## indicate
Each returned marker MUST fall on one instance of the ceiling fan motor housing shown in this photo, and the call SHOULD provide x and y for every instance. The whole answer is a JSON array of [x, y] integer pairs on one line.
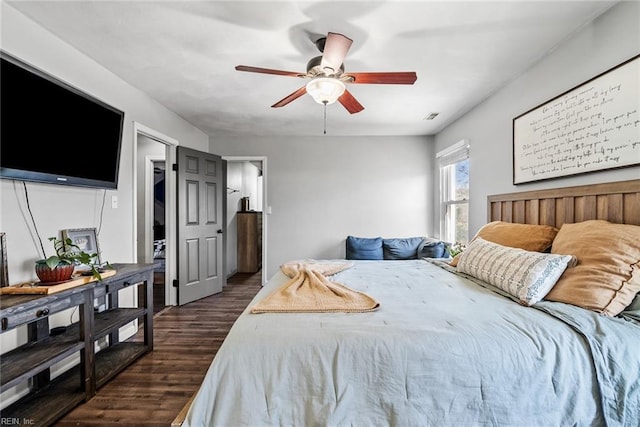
[[320, 43], [314, 69]]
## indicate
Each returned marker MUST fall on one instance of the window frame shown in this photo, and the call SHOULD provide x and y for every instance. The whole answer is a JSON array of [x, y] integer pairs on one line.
[[446, 161]]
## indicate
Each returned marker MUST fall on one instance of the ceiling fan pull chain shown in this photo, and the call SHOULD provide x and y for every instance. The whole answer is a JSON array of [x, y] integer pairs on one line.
[[325, 117]]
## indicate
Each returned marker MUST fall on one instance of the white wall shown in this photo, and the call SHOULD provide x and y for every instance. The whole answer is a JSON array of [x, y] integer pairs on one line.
[[321, 189], [58, 207], [609, 40], [250, 186]]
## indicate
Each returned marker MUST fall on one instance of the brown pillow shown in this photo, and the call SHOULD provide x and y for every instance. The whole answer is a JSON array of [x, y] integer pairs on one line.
[[607, 276], [530, 237]]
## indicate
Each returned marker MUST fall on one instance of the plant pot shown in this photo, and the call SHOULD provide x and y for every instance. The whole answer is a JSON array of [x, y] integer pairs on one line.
[[61, 273]]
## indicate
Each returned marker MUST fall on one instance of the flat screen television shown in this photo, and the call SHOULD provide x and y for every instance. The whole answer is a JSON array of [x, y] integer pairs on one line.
[[54, 133]]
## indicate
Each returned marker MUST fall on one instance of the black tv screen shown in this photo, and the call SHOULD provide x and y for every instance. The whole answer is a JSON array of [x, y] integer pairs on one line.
[[52, 132]]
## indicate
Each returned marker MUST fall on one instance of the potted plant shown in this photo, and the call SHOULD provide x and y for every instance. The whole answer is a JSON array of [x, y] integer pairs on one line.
[[456, 248], [60, 267]]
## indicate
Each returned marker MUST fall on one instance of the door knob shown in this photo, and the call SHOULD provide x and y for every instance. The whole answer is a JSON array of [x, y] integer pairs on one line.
[[220, 231]]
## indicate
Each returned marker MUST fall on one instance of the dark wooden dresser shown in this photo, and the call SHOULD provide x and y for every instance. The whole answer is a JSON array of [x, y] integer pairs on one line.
[[249, 241]]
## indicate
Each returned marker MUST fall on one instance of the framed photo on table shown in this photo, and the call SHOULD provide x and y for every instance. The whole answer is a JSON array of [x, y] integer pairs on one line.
[[86, 239]]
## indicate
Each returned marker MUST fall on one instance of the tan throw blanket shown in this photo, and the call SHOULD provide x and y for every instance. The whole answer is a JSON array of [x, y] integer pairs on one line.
[[309, 290]]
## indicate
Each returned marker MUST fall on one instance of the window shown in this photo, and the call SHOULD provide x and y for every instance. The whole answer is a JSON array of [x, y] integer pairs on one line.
[[454, 192]]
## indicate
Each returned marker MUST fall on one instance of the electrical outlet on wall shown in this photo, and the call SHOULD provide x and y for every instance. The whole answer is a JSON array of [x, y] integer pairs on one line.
[[114, 202]]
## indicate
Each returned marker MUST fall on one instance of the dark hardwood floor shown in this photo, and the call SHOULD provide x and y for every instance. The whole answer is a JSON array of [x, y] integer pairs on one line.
[[153, 390]]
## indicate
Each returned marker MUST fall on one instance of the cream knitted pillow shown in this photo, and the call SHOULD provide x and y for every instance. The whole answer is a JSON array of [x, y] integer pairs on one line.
[[526, 275]]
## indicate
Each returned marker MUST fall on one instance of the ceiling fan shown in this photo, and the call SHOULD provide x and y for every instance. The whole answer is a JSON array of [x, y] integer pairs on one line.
[[327, 77]]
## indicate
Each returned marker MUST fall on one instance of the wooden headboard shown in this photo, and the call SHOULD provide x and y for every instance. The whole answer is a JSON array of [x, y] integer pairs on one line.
[[617, 202]]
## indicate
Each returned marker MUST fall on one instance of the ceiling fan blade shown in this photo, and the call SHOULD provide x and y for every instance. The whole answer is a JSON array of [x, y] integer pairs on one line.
[[399, 78], [350, 103], [268, 71], [335, 49], [291, 97]]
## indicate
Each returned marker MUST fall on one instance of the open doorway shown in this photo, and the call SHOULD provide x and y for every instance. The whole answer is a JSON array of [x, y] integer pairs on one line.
[[246, 224], [154, 209]]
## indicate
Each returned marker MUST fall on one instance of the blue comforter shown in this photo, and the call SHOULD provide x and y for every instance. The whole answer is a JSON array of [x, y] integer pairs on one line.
[[442, 350]]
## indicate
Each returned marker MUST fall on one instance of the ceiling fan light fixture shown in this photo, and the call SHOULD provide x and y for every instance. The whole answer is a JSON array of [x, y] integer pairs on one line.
[[327, 78], [325, 90]]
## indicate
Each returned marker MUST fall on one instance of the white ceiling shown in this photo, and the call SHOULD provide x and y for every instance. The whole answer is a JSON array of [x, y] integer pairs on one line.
[[183, 54]]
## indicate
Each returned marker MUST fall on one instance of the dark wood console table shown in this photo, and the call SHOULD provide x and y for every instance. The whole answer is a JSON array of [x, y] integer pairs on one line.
[[29, 364]]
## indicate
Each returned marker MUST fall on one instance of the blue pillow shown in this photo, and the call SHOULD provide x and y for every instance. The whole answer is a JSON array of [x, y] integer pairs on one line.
[[431, 248], [396, 249], [364, 248]]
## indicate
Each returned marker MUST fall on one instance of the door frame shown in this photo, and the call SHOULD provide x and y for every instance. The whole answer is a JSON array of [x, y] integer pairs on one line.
[[170, 207], [265, 205]]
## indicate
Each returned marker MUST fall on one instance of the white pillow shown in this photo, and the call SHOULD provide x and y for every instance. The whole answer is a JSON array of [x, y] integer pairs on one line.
[[526, 275]]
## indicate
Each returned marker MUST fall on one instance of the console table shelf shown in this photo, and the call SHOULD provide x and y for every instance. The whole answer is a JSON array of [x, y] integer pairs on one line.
[[112, 360], [49, 399], [45, 406], [32, 358], [108, 321]]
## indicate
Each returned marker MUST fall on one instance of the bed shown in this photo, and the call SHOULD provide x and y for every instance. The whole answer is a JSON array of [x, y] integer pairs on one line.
[[443, 347]]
